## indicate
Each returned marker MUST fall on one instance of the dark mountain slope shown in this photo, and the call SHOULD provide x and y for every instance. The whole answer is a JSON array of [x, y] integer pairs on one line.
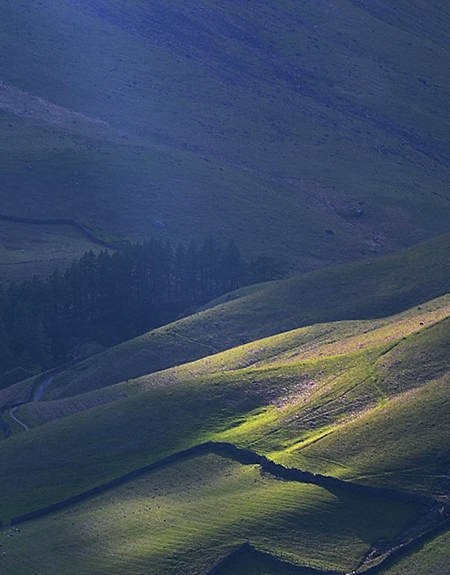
[[314, 130]]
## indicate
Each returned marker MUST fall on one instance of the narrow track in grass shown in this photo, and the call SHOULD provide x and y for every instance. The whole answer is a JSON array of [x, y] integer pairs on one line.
[[35, 393], [17, 420]]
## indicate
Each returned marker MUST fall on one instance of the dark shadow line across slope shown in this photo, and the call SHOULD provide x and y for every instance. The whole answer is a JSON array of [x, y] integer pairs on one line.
[[246, 457]]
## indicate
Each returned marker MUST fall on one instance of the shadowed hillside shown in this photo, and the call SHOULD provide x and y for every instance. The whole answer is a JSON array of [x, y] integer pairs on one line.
[[314, 130]]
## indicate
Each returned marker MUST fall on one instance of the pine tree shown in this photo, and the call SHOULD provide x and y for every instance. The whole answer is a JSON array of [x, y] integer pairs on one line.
[[233, 268]]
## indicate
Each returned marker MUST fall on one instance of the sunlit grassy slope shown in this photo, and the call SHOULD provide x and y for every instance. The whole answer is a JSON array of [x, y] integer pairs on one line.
[[278, 396], [352, 342], [360, 399], [334, 398], [375, 288], [316, 131], [186, 517]]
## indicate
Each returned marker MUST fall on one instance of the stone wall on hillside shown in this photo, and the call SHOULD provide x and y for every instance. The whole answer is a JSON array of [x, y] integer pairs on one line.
[[246, 457]]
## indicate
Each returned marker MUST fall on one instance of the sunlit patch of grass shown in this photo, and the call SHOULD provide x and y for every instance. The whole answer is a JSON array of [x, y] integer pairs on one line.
[[404, 444], [291, 412], [187, 516], [317, 398]]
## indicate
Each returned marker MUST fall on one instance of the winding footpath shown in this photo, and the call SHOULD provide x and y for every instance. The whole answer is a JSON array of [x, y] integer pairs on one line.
[[36, 396], [12, 416], [36, 393]]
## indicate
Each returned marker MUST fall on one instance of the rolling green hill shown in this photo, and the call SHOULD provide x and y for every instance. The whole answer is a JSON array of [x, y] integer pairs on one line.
[[185, 518], [364, 401], [297, 426], [374, 288], [319, 131]]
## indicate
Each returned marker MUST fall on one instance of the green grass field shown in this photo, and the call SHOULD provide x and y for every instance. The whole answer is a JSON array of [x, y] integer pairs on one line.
[[363, 400], [319, 398], [183, 519], [27, 250], [431, 558]]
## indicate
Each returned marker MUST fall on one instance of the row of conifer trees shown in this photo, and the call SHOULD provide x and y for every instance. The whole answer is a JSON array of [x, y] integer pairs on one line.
[[109, 297]]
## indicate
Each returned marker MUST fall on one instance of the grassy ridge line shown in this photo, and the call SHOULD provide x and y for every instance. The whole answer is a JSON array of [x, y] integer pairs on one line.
[[370, 289], [302, 345], [244, 548], [246, 457], [404, 443]]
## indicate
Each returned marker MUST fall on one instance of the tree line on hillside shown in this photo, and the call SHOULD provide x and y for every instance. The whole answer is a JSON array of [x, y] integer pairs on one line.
[[111, 297]]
